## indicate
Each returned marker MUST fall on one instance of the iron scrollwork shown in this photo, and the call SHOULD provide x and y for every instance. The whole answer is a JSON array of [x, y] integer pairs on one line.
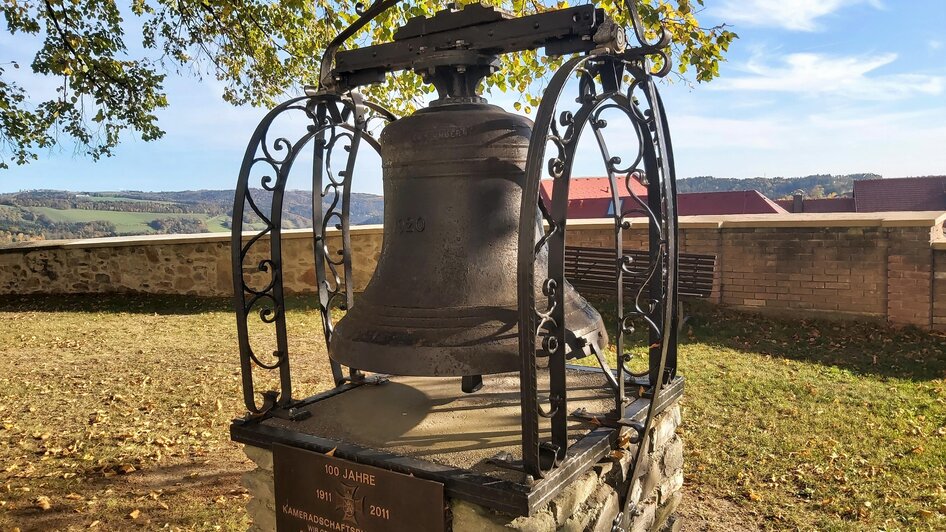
[[331, 121], [608, 82]]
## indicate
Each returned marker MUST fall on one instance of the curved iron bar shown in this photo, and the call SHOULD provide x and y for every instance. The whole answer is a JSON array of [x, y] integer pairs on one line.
[[365, 16], [562, 130], [663, 356], [326, 117], [545, 129], [272, 292], [332, 116]]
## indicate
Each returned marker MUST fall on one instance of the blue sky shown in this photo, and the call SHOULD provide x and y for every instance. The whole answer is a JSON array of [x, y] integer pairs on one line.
[[811, 86]]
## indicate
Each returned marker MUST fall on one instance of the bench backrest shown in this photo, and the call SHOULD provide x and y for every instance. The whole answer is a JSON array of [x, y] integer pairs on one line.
[[592, 270]]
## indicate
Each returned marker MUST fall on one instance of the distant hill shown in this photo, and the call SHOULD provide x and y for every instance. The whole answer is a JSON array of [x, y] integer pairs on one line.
[[814, 186], [57, 214]]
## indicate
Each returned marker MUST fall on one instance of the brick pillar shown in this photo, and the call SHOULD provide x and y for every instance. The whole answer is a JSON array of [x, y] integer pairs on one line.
[[939, 288], [909, 276]]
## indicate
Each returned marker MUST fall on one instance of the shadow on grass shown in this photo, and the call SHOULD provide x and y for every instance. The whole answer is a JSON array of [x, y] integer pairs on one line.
[[856, 346], [859, 347], [135, 303]]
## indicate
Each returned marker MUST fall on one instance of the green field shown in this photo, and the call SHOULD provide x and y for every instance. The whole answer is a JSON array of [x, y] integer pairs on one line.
[[215, 224], [125, 222]]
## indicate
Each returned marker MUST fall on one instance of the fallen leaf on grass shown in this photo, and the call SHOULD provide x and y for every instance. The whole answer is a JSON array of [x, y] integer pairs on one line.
[[43, 503], [134, 513]]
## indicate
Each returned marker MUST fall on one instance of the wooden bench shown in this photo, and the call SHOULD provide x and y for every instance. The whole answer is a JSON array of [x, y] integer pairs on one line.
[[591, 270]]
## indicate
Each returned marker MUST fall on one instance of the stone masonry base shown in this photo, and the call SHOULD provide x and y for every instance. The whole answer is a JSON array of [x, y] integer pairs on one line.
[[589, 504]]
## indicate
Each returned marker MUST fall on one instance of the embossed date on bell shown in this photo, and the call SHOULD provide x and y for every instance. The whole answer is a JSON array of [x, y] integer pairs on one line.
[[319, 493]]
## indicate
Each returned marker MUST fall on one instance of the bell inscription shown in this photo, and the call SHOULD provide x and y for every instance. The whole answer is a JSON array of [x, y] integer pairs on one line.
[[316, 493]]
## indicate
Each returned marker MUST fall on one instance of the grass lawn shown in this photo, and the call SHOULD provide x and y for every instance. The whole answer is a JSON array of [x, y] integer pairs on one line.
[[114, 415], [215, 224]]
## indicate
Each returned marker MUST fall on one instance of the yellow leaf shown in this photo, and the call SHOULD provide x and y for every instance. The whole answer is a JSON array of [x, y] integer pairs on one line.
[[753, 496], [624, 441], [135, 513], [42, 502], [332, 452]]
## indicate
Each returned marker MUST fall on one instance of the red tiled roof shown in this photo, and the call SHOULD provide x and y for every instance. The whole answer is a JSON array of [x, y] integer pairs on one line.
[[590, 197], [820, 205], [583, 188], [734, 202], [901, 194]]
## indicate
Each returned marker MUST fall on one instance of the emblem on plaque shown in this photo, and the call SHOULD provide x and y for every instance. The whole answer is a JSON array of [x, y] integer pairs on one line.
[[350, 503]]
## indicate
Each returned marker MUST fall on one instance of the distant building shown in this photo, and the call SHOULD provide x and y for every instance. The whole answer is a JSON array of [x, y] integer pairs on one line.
[[590, 197], [880, 195], [901, 194], [799, 203]]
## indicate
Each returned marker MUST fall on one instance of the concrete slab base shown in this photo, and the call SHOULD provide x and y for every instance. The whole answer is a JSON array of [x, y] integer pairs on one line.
[[431, 420]]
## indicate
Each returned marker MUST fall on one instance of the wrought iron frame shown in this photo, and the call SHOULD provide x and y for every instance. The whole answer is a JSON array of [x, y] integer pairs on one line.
[[331, 119], [609, 79], [542, 328]]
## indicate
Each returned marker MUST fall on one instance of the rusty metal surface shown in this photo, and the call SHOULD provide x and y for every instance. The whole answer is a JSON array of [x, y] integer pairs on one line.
[[442, 301]]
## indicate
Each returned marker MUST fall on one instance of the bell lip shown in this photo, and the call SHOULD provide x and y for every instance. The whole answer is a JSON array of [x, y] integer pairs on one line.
[[455, 361], [423, 361]]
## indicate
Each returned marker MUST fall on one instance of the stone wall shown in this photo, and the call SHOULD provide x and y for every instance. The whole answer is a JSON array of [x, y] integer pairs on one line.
[[589, 504], [176, 264], [885, 266]]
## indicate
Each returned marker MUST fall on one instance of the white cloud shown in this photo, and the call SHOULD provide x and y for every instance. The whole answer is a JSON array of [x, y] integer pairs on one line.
[[819, 74], [934, 44], [798, 15], [789, 144]]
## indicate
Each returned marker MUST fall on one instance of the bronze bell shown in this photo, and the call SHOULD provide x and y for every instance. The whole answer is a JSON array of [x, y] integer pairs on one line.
[[442, 301]]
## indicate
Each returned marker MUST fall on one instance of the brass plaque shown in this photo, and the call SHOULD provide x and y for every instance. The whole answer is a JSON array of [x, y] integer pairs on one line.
[[316, 493]]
